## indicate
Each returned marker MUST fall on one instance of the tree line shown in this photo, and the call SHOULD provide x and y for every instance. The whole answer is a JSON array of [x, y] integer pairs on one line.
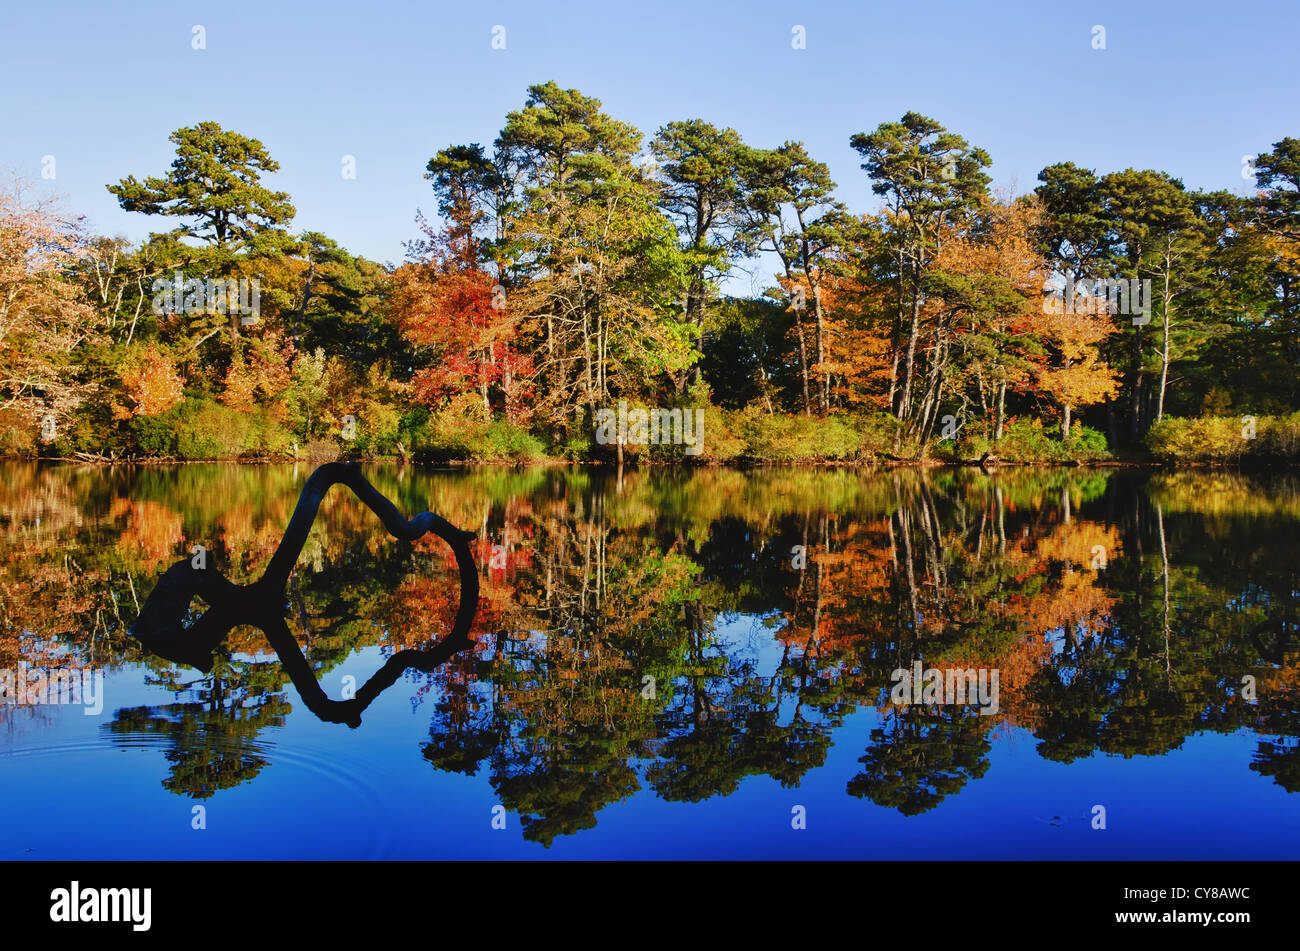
[[574, 263]]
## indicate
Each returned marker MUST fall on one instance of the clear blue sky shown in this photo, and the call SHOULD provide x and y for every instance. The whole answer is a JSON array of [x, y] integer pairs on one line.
[[1188, 87]]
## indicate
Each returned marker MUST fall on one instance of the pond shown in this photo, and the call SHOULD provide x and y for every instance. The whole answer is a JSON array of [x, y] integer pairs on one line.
[[699, 664]]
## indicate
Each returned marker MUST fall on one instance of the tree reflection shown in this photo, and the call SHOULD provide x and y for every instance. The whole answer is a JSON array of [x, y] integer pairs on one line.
[[683, 633]]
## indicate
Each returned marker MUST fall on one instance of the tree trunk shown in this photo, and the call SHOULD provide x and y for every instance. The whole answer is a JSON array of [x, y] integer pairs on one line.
[[301, 316], [909, 361], [1137, 401], [823, 378], [1002, 404], [1164, 354]]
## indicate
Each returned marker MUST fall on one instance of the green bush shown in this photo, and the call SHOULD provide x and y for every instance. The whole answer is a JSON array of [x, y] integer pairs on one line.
[[208, 430], [1209, 439], [714, 441], [1087, 444], [780, 438], [967, 447], [580, 446], [155, 435], [877, 431], [377, 432], [1219, 440], [721, 443], [450, 435], [267, 436], [413, 431], [1027, 440], [500, 440], [712, 438], [1277, 438]]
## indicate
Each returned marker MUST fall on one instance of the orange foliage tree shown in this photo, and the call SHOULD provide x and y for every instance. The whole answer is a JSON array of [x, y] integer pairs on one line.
[[44, 317], [152, 383], [448, 304]]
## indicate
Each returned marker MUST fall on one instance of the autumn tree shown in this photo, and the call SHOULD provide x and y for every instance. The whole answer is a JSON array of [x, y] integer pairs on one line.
[[866, 317], [455, 310], [46, 323], [447, 300], [151, 382], [929, 177], [1075, 374], [984, 289]]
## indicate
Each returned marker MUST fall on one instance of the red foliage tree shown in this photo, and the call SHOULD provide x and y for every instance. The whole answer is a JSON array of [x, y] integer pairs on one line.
[[448, 302]]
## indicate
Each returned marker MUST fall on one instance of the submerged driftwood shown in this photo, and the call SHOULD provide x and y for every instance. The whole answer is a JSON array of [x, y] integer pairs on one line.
[[160, 626]]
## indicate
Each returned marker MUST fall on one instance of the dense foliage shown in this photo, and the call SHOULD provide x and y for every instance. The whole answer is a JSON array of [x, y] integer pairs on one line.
[[575, 264]]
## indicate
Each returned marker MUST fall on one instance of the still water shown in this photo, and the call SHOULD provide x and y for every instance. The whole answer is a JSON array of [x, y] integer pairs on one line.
[[674, 665]]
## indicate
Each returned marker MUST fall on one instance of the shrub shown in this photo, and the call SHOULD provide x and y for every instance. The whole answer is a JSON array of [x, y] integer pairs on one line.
[[500, 440], [721, 442], [450, 435], [1225, 439], [208, 430], [17, 434], [1086, 443], [965, 448], [318, 451], [780, 438], [267, 436], [203, 429], [155, 435], [1028, 440], [580, 446], [1277, 439], [877, 432], [1213, 439]]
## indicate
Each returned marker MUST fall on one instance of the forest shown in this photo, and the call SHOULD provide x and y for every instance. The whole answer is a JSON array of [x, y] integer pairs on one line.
[[574, 266]]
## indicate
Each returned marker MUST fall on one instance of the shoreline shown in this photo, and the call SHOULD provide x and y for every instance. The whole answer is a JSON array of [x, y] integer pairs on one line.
[[551, 463]]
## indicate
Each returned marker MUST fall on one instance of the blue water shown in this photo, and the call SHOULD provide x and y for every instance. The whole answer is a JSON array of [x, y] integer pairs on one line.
[[336, 793], [708, 599]]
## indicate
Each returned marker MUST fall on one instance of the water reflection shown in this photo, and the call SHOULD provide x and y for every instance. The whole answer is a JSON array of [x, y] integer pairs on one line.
[[677, 633], [262, 604]]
